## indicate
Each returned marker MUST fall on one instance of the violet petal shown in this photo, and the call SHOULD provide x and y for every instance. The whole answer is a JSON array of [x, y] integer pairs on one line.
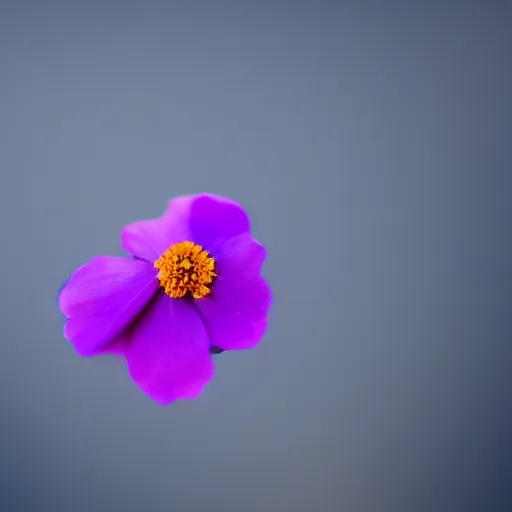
[[168, 351], [236, 311], [204, 219], [102, 298], [148, 239], [214, 220]]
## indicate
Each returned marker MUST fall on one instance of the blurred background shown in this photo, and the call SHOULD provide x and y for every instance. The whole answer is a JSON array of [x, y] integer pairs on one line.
[[372, 149]]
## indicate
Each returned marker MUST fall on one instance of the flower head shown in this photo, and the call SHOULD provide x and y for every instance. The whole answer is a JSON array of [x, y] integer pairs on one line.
[[192, 288]]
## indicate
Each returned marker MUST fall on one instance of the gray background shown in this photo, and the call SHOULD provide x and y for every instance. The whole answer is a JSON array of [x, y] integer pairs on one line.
[[372, 150]]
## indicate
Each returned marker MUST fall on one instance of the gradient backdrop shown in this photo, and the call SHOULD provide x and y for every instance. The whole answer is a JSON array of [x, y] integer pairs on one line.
[[372, 149]]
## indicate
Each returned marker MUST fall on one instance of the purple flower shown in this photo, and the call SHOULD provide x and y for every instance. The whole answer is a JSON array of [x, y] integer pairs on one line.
[[192, 288]]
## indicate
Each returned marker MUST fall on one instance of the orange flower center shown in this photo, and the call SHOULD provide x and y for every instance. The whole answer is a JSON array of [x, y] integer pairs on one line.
[[186, 267]]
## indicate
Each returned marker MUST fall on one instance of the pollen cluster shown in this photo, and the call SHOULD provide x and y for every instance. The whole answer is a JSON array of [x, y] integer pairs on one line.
[[186, 268]]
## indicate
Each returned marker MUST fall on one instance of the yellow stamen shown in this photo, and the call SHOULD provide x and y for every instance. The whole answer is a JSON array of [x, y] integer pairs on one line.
[[186, 267]]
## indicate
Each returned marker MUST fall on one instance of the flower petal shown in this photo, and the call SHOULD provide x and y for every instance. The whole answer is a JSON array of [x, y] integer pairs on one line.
[[236, 311], [204, 219], [102, 298], [214, 219], [148, 239], [168, 351]]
